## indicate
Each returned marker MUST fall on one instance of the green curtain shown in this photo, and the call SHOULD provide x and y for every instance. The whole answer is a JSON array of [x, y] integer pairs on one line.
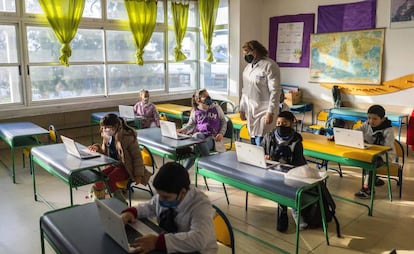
[[208, 14], [142, 15], [64, 17], [180, 17]]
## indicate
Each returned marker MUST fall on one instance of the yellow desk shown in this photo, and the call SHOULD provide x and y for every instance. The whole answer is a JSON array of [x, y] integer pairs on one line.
[[318, 146], [174, 111], [236, 120]]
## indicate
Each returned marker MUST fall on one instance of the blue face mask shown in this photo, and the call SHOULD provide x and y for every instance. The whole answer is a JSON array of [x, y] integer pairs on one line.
[[208, 101], [169, 204]]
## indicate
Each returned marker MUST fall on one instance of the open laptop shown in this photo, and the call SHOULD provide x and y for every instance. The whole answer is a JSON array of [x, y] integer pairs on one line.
[[122, 234], [255, 155], [351, 138], [169, 130], [74, 150], [126, 111]]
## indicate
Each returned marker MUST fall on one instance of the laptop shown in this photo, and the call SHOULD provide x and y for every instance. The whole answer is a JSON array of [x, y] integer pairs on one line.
[[126, 111], [122, 234], [255, 155], [169, 130], [349, 137], [74, 150]]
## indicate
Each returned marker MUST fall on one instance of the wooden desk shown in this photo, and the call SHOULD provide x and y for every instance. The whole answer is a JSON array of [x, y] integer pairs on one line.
[[67, 168], [20, 134], [351, 114], [78, 229], [175, 111], [225, 168], [163, 146], [318, 146]]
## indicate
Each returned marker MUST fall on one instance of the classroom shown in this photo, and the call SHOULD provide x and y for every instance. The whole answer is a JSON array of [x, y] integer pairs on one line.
[[69, 87]]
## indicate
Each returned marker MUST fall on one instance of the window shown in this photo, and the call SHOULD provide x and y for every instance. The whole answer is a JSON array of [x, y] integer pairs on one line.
[[103, 63]]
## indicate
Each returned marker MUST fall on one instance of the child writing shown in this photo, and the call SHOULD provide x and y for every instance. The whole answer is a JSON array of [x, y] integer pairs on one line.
[[184, 212], [284, 144], [377, 130], [119, 141], [148, 110], [206, 122]]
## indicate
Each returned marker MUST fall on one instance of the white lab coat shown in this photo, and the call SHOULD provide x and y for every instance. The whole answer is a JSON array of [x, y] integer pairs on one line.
[[261, 94]]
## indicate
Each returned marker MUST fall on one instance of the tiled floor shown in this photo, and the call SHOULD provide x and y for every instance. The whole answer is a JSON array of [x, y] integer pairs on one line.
[[392, 225]]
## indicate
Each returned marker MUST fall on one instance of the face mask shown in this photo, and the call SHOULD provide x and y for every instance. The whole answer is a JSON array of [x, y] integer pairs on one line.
[[169, 204], [109, 132], [208, 101], [249, 58], [283, 131]]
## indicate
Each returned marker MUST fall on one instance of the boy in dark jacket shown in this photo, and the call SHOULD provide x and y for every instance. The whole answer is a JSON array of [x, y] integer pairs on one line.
[[284, 144]]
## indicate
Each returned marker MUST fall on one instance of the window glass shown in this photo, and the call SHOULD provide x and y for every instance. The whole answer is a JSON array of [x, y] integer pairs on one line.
[[58, 82], [223, 13], [182, 76], [154, 50], [43, 46], [219, 46], [116, 10], [8, 44], [92, 8], [127, 78], [188, 46], [8, 6], [120, 46], [215, 75], [192, 15], [10, 87]]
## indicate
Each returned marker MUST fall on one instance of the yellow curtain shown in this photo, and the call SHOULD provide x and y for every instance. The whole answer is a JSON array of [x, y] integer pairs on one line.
[[208, 14], [64, 17], [180, 17], [142, 15]]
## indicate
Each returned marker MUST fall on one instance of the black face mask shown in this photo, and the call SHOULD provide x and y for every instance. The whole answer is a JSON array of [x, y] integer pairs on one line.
[[284, 131], [208, 101], [249, 58]]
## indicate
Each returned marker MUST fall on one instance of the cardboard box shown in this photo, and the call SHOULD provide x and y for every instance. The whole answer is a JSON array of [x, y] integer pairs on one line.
[[293, 97]]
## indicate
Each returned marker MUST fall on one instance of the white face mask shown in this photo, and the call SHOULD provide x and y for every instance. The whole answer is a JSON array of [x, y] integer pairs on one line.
[[109, 132]]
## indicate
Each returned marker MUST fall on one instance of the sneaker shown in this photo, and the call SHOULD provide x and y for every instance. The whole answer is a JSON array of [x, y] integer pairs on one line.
[[303, 224], [282, 220], [363, 194], [379, 182]]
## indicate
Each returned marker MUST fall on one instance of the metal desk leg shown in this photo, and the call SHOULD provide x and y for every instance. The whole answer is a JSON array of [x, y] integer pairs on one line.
[[13, 172]]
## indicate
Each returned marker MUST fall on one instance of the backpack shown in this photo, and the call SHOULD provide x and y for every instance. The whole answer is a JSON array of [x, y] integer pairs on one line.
[[312, 214]]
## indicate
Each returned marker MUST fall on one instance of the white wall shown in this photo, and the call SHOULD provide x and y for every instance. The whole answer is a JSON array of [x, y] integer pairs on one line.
[[398, 51]]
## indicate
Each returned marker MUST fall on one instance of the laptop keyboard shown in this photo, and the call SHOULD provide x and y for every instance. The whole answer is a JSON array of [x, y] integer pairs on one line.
[[131, 233]]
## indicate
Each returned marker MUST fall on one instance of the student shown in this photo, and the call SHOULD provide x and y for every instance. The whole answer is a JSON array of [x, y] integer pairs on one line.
[[184, 212], [206, 122], [377, 130], [119, 141], [284, 144], [148, 110]]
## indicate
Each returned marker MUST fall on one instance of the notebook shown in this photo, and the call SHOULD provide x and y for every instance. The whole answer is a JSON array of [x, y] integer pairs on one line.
[[255, 155], [126, 111], [351, 138], [74, 150], [122, 234], [168, 130]]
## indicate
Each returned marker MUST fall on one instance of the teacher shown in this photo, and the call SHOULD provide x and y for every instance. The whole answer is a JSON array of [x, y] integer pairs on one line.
[[259, 104]]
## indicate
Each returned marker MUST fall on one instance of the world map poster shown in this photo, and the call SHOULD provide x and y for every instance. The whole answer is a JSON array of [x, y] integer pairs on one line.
[[347, 57]]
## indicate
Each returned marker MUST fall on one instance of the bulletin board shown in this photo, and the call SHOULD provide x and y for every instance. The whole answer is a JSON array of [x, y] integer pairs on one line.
[[289, 39]]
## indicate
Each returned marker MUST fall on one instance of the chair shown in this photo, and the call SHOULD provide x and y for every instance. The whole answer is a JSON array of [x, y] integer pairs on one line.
[[396, 167], [229, 134], [52, 138], [130, 185], [228, 104], [321, 120], [224, 232], [163, 117], [244, 133]]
